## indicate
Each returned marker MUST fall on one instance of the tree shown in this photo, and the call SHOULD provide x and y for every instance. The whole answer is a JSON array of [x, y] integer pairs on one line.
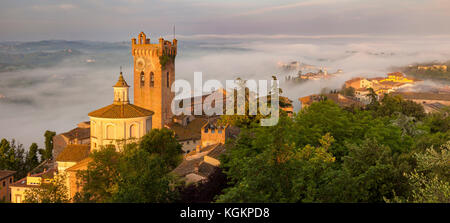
[[348, 91], [145, 177], [100, 180], [12, 157], [264, 165], [32, 159], [52, 192], [430, 181], [163, 143], [375, 173], [390, 105], [47, 153], [139, 173]]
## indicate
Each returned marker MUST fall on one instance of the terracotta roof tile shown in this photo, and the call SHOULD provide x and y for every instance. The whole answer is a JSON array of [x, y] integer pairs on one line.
[[423, 96], [121, 111], [6, 173], [190, 131], [82, 165], [205, 169], [217, 151], [78, 133], [187, 166], [73, 153]]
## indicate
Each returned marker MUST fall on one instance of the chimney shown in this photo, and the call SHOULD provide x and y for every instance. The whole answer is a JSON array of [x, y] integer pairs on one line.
[[45, 170], [29, 174], [197, 149]]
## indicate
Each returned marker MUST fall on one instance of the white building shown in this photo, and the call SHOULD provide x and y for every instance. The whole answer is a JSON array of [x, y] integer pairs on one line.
[[120, 122]]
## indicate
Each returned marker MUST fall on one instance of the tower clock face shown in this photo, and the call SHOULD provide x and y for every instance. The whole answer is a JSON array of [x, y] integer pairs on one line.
[[140, 63]]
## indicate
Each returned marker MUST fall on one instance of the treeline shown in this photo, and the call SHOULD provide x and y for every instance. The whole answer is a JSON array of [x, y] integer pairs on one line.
[[390, 151], [14, 157]]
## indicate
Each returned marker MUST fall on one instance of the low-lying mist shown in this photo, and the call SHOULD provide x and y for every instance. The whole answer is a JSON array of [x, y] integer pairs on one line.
[[57, 98]]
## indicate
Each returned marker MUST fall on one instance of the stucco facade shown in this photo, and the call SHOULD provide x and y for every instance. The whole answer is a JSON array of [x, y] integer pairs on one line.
[[110, 131], [120, 122]]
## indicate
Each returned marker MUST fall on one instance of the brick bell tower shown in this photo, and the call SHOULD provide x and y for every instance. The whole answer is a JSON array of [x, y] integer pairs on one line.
[[154, 73]]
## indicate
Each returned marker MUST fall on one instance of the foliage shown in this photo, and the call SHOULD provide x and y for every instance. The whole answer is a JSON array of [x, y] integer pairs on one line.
[[32, 159], [47, 153], [439, 75], [328, 154], [390, 105], [12, 157], [430, 181], [164, 59], [139, 173], [348, 91], [53, 192], [241, 116], [163, 143]]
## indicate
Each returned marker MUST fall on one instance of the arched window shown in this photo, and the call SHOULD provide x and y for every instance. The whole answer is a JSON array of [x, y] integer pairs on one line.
[[133, 131], [142, 79], [152, 79], [167, 78], [110, 132]]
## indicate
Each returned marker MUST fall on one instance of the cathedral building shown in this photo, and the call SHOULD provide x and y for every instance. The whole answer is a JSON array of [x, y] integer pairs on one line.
[[121, 122]]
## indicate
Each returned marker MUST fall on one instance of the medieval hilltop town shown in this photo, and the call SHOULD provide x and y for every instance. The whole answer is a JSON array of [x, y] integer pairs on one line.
[[202, 138]]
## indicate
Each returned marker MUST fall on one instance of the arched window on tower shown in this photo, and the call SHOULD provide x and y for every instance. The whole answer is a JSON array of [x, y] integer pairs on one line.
[[152, 79], [142, 79], [167, 79]]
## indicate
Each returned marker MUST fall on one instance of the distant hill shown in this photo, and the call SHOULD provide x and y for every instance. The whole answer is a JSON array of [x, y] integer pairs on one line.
[[431, 74], [47, 53], [57, 45]]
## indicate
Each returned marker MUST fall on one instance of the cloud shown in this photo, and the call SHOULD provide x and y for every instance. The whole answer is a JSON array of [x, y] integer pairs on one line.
[[290, 6], [53, 7]]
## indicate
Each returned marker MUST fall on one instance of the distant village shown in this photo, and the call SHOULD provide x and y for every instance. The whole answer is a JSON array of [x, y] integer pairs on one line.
[[202, 137], [306, 72]]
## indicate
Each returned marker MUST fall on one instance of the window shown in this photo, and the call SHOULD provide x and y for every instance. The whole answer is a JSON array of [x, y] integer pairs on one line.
[[220, 130], [10, 180], [167, 79], [4, 183], [142, 78], [152, 79], [213, 130], [110, 132], [133, 131]]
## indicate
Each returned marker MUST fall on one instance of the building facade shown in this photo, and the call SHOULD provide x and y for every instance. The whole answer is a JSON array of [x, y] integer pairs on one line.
[[154, 73], [6, 179], [120, 122]]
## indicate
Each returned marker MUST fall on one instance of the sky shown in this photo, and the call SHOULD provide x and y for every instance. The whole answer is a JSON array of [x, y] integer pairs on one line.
[[119, 20]]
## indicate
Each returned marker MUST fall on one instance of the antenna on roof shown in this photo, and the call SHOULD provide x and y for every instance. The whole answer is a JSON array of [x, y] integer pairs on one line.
[[174, 31], [120, 69]]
